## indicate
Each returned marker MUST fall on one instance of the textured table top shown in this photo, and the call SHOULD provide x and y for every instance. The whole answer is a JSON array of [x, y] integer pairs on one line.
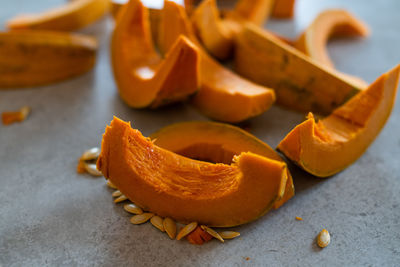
[[49, 215]]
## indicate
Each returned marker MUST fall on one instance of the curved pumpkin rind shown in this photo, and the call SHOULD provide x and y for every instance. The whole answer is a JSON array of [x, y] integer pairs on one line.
[[187, 190], [299, 82], [218, 143], [142, 76], [221, 91], [72, 16], [329, 23], [35, 58], [332, 144]]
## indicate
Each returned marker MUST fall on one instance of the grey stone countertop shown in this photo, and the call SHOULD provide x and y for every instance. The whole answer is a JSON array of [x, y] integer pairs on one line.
[[51, 216]]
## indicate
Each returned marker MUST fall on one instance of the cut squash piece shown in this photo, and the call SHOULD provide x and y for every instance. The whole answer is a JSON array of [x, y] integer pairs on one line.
[[70, 17], [328, 146], [283, 9], [143, 78], [188, 190], [300, 83], [255, 11], [221, 91], [217, 33], [217, 143], [329, 23], [34, 58]]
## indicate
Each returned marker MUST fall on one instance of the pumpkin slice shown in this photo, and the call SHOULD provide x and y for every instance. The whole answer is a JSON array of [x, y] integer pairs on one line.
[[217, 34], [217, 143], [299, 82], [223, 95], [143, 77], [328, 146], [255, 11], [69, 17], [283, 9], [329, 23], [188, 190], [33, 58]]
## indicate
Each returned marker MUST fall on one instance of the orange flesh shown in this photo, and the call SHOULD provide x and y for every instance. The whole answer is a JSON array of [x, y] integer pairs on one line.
[[329, 146], [143, 77], [221, 90], [217, 143], [189, 190], [10, 117], [198, 236], [283, 8]]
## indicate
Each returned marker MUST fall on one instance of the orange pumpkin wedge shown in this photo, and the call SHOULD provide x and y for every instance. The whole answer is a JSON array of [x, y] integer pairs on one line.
[[255, 11], [283, 9], [69, 17], [33, 58], [221, 91], [144, 79], [218, 143], [329, 23], [299, 82], [328, 146], [188, 190], [217, 33]]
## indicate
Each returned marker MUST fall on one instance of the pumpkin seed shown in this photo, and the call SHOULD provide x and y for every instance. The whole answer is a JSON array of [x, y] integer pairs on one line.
[[212, 233], [186, 230], [120, 198], [116, 193], [157, 221], [132, 208], [111, 185], [323, 238], [91, 154], [170, 227], [229, 234], [141, 218], [92, 169]]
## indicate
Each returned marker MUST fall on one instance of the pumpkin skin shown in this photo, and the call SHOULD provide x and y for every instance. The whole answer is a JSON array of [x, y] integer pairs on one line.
[[72, 16], [300, 83], [188, 190], [143, 78], [221, 90], [328, 146], [33, 58], [217, 143]]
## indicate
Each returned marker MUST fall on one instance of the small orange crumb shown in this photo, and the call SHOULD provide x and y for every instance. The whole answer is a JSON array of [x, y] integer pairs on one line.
[[81, 167], [247, 258], [9, 117], [299, 218]]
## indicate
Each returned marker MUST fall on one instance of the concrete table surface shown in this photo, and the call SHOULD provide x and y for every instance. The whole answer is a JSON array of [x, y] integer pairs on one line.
[[51, 216]]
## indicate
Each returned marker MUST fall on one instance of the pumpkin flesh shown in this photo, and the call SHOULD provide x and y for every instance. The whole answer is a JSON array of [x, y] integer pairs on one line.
[[142, 76], [217, 143], [188, 190], [328, 146], [221, 91]]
